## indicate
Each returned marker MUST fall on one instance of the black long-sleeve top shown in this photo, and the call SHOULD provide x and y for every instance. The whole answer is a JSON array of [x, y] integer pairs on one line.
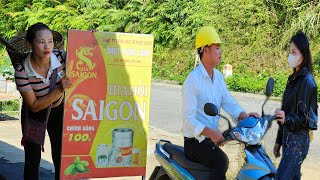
[[299, 103]]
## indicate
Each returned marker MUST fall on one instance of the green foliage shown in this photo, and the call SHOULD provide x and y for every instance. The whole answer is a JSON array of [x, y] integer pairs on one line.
[[318, 83], [245, 83], [255, 33], [178, 62], [12, 105], [6, 69], [257, 84], [280, 81]]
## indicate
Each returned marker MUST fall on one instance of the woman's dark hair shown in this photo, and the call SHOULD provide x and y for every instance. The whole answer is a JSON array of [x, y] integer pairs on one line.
[[33, 29], [300, 40]]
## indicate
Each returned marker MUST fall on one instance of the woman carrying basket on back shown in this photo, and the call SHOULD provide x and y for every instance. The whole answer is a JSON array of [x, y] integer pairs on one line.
[[41, 81]]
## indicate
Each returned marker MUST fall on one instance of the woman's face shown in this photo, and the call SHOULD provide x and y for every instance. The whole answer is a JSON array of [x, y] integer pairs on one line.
[[294, 50], [295, 58], [42, 44]]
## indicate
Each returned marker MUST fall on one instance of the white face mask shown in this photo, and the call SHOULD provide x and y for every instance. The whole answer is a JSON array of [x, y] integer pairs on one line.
[[294, 60]]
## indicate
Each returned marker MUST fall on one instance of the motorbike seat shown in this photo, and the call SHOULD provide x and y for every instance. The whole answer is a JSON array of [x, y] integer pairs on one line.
[[177, 153], [197, 170]]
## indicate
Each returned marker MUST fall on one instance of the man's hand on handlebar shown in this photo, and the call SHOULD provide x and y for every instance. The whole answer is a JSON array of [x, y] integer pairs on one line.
[[244, 115], [254, 114], [216, 136]]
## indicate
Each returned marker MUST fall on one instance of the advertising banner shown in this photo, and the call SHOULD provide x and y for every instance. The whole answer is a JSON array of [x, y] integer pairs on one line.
[[107, 108]]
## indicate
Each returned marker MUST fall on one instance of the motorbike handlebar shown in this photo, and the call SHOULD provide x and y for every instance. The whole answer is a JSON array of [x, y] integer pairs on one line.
[[274, 117], [227, 136]]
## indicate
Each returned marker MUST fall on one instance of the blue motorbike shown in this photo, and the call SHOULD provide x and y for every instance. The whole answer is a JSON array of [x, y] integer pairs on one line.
[[249, 131]]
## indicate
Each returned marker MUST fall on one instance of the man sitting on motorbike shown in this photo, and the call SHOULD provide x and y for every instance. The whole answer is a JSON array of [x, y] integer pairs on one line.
[[205, 84]]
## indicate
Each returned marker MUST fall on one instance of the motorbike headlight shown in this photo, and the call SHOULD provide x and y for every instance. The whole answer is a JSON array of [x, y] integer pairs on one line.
[[253, 135], [265, 125], [239, 136]]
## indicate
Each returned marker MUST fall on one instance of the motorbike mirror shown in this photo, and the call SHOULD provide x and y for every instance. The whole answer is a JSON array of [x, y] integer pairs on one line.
[[210, 109], [269, 87]]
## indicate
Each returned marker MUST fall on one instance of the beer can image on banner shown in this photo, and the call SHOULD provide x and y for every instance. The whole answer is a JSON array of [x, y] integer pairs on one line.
[[120, 153], [122, 142]]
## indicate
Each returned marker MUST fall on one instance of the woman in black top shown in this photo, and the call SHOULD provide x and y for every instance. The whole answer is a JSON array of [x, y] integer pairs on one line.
[[298, 114]]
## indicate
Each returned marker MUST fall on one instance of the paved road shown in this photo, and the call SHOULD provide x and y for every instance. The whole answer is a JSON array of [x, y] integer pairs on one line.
[[165, 107]]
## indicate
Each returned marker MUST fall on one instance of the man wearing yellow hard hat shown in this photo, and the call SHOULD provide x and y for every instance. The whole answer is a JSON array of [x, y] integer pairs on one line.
[[205, 84]]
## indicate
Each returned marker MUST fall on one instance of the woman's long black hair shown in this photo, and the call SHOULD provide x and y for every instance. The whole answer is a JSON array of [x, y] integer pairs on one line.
[[302, 43]]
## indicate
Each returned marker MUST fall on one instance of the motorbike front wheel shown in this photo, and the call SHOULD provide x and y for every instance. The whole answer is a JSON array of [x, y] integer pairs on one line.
[[159, 174], [267, 177]]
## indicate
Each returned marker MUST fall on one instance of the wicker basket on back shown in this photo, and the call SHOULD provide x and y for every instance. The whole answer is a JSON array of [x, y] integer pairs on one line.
[[19, 50]]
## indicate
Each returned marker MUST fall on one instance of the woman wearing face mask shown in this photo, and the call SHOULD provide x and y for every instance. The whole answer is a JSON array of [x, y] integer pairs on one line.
[[298, 114]]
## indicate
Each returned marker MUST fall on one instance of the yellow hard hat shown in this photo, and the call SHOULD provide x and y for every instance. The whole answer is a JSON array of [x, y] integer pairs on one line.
[[207, 35]]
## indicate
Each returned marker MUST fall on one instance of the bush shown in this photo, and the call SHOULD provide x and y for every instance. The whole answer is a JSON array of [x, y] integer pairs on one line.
[[255, 33], [12, 105], [257, 84]]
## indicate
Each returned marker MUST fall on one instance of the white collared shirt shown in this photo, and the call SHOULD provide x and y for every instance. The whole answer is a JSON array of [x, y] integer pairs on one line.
[[54, 63], [199, 89]]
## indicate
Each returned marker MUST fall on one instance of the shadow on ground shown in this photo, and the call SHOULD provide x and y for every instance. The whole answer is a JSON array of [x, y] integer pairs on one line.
[[5, 117], [14, 170]]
